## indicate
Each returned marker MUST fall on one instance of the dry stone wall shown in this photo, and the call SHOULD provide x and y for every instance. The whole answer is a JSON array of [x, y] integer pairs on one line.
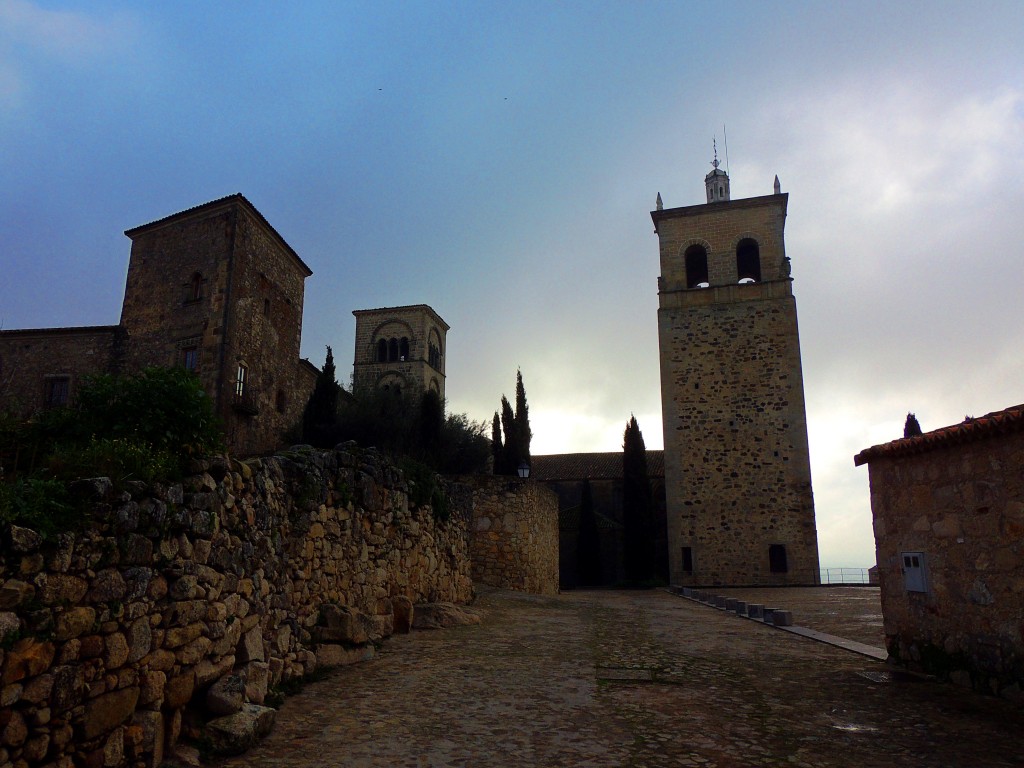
[[183, 605], [514, 542]]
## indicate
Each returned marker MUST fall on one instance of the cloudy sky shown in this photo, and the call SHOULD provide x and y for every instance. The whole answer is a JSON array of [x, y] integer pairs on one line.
[[499, 161]]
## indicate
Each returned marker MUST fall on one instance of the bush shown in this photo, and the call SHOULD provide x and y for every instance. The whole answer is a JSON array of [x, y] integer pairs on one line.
[[40, 504], [117, 458]]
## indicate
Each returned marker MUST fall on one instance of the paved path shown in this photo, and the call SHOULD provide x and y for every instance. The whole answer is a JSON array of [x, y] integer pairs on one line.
[[629, 679]]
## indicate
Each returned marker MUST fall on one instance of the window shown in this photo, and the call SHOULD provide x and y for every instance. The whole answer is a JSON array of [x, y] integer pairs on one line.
[[777, 559], [403, 349], [281, 401], [696, 258], [688, 561], [195, 287], [190, 358], [240, 380], [382, 351], [393, 350], [56, 390], [748, 261], [266, 307]]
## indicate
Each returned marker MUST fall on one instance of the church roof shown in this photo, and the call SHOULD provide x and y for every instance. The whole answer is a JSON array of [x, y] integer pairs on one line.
[[1002, 422], [592, 466]]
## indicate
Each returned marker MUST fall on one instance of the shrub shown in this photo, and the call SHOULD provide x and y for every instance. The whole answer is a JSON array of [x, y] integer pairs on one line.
[[120, 459], [40, 504]]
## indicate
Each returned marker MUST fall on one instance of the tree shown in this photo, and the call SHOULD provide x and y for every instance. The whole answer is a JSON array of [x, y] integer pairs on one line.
[[515, 448], [588, 542], [911, 428], [497, 446], [637, 507], [523, 433], [320, 417]]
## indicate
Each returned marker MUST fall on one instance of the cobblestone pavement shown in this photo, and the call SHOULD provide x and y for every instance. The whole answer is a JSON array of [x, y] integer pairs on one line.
[[629, 679]]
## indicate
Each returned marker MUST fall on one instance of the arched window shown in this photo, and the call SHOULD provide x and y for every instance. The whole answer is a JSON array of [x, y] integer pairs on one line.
[[696, 258], [777, 561], [393, 350], [403, 349], [748, 261], [382, 351]]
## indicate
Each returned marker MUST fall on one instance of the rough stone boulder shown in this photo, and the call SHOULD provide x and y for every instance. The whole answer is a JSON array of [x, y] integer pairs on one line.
[[233, 734], [442, 615], [341, 624]]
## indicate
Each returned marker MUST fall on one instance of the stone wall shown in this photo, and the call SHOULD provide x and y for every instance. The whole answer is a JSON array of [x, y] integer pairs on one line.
[[188, 602], [514, 536], [961, 508], [29, 357]]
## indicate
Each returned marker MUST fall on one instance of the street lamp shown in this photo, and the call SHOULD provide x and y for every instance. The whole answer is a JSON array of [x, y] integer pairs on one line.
[[524, 470]]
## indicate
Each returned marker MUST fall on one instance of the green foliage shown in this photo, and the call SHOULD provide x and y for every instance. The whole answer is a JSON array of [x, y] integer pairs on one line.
[[514, 450], [637, 507], [142, 427], [414, 427], [120, 459], [37, 503], [165, 408], [425, 487]]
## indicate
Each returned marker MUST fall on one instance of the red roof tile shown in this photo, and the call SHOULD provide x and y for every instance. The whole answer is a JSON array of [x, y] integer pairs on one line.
[[991, 424]]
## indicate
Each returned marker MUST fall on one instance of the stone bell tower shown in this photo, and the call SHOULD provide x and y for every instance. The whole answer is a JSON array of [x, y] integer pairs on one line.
[[737, 468]]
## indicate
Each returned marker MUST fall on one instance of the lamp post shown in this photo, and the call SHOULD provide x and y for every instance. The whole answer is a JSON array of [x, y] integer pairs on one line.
[[524, 470]]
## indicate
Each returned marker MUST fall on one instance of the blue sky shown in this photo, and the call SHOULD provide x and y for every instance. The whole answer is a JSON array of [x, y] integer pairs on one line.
[[499, 161]]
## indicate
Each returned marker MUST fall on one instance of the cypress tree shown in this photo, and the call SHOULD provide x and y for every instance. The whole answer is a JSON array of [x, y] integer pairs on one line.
[[588, 542], [911, 427], [637, 507], [497, 446], [510, 455], [320, 417], [522, 420]]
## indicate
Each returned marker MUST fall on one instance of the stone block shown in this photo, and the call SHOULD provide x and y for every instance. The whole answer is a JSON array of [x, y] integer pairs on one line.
[[740, 607], [782, 618], [234, 734], [331, 655], [755, 611], [106, 712], [226, 696]]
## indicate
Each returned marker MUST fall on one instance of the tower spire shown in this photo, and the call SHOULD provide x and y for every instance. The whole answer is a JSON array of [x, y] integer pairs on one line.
[[716, 183]]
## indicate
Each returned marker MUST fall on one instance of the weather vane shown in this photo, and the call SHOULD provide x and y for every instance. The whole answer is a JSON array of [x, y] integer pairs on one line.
[[714, 143]]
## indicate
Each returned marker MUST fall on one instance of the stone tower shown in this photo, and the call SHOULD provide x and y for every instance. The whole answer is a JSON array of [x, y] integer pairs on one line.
[[737, 469], [400, 347], [215, 289]]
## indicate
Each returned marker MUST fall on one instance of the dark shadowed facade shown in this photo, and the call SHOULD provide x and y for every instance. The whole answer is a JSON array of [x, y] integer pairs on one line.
[[565, 474], [214, 289]]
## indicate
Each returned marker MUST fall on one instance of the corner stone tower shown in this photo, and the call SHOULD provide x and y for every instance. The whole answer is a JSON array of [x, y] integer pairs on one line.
[[400, 348], [737, 468]]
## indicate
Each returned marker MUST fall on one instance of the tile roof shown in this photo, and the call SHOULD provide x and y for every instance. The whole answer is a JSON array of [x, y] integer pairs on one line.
[[236, 199], [991, 424], [580, 466]]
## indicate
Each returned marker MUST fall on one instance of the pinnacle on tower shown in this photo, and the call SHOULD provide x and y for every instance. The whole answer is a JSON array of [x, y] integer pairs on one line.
[[658, 204], [716, 183], [778, 187]]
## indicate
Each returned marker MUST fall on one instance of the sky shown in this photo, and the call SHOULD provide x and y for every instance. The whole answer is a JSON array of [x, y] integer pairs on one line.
[[499, 162]]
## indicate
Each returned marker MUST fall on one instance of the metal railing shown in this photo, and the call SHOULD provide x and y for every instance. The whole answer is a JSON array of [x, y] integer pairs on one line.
[[845, 576]]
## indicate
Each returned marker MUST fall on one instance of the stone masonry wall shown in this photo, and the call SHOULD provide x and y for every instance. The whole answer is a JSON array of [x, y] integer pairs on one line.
[[187, 602], [737, 464], [962, 506], [28, 357], [514, 542]]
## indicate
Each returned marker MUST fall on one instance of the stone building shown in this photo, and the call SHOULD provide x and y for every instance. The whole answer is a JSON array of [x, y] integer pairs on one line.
[[214, 289], [737, 467], [565, 474], [948, 510], [400, 348]]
